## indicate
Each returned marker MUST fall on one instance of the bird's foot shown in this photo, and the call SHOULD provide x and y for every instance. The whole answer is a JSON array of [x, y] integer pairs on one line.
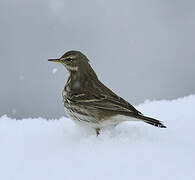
[[97, 130]]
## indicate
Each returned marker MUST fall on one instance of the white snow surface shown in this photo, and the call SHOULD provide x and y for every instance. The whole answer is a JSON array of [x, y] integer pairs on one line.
[[40, 149]]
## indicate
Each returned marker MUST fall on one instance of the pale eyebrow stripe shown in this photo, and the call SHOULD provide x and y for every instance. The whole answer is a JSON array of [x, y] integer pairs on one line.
[[70, 56]]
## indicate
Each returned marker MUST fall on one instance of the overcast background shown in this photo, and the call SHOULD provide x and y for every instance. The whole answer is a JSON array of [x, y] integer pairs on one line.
[[140, 49]]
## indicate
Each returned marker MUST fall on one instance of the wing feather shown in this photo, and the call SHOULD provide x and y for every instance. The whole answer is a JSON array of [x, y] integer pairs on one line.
[[104, 102]]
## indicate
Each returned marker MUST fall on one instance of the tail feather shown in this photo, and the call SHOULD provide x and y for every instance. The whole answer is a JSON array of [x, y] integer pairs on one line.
[[152, 121], [146, 119]]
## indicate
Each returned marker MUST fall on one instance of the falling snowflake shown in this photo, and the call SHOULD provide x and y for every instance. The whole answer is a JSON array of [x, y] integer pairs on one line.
[[54, 70]]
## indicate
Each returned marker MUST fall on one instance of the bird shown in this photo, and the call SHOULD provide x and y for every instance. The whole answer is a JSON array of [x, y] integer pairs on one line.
[[88, 102]]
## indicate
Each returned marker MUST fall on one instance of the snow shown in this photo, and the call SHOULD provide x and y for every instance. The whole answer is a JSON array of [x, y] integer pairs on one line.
[[59, 150], [54, 70]]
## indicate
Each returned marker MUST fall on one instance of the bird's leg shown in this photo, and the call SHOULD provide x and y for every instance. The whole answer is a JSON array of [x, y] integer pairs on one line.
[[97, 130]]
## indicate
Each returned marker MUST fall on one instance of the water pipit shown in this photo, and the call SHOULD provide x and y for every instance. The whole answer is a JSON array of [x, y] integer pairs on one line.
[[89, 102]]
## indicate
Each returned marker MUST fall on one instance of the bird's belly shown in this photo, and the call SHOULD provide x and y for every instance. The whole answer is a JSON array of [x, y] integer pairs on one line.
[[84, 117], [115, 120], [81, 116]]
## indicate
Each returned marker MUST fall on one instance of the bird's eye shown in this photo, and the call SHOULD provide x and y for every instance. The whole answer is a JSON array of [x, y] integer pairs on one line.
[[69, 59]]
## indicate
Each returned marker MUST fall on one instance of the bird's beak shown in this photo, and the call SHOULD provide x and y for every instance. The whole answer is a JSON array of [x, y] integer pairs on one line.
[[55, 60]]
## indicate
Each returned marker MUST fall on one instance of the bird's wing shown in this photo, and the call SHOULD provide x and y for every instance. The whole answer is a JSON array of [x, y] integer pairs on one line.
[[103, 101]]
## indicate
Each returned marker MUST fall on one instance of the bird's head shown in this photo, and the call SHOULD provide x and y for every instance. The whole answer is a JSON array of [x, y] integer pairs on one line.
[[73, 61]]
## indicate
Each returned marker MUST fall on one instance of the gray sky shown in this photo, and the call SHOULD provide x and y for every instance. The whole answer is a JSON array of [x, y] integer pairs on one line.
[[140, 49]]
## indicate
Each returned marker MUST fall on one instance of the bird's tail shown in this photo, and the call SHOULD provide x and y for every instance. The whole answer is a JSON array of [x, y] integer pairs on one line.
[[146, 119], [152, 121]]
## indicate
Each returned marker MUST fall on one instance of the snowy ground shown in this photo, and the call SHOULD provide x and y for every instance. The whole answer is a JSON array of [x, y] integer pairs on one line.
[[36, 149]]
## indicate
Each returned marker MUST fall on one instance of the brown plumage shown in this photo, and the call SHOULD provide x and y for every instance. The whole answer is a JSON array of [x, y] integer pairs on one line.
[[89, 102]]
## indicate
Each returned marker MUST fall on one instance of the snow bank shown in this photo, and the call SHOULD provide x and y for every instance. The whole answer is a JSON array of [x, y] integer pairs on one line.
[[39, 149]]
